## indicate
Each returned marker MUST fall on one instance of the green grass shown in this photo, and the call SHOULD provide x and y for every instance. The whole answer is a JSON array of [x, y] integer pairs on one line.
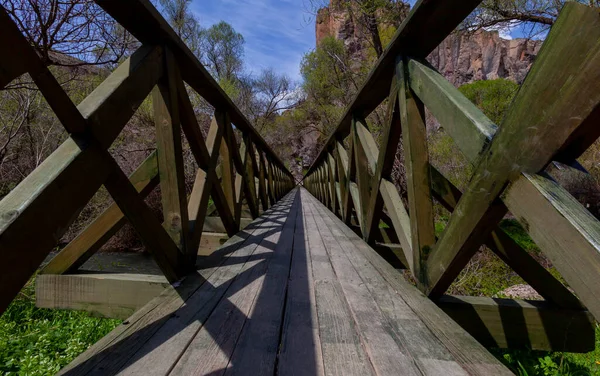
[[35, 341]]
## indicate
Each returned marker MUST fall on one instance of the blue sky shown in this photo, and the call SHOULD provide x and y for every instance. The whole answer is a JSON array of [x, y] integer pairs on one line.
[[277, 32]]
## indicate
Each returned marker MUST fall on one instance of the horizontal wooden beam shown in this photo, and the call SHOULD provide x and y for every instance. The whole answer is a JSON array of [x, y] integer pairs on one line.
[[106, 295], [507, 323]]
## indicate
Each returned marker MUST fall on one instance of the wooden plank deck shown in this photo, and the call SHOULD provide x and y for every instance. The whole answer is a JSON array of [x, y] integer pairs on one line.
[[295, 293]]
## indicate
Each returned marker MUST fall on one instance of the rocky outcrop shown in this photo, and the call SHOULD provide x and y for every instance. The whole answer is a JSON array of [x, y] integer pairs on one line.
[[461, 58], [484, 55], [335, 20]]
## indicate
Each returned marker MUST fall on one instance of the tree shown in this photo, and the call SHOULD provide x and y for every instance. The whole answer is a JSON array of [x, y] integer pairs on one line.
[[183, 21], [77, 28], [539, 15], [223, 51]]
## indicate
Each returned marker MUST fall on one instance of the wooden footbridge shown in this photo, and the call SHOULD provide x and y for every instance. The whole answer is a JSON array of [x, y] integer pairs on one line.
[[309, 280]]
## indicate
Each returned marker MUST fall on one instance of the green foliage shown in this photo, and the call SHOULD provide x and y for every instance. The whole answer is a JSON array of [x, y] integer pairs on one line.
[[326, 72], [35, 341], [544, 363], [493, 97], [223, 50]]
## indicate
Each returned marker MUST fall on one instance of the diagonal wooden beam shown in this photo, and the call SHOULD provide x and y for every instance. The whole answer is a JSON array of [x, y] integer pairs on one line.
[[390, 137], [546, 111], [96, 234], [170, 259], [509, 251], [70, 176]]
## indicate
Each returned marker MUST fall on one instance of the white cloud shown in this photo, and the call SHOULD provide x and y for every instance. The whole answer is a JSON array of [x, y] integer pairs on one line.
[[276, 32]]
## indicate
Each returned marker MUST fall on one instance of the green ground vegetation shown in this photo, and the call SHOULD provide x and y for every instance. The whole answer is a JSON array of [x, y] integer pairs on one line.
[[36, 341]]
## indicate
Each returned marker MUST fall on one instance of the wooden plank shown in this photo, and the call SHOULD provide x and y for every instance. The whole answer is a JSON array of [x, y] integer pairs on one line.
[[509, 251], [386, 355], [215, 224], [106, 295], [70, 176], [470, 129], [364, 158], [412, 338], [170, 157], [210, 242], [213, 344], [343, 353], [114, 350], [418, 183], [301, 352], [97, 233], [264, 322], [531, 325], [471, 355]]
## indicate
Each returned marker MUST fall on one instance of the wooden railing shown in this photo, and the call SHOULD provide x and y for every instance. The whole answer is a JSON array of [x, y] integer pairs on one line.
[[554, 117], [35, 214]]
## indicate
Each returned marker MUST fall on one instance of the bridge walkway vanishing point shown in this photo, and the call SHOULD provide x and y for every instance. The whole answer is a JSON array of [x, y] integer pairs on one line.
[[312, 282], [295, 293]]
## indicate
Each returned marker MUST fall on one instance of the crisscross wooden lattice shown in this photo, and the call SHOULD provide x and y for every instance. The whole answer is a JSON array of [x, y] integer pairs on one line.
[[35, 214], [554, 117]]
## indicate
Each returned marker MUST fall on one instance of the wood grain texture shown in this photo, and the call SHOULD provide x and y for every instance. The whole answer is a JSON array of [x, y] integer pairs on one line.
[[514, 324], [106, 295]]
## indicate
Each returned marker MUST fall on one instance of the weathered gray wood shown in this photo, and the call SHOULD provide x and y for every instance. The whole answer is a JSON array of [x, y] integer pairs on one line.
[[257, 347], [340, 343], [213, 345], [215, 224], [566, 232], [414, 340], [301, 352], [390, 136], [514, 324], [399, 216], [168, 256], [210, 242], [386, 356], [113, 352], [472, 356], [107, 295]]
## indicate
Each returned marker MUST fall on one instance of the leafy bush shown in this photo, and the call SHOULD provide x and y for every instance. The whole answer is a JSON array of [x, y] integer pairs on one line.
[[493, 97], [35, 341]]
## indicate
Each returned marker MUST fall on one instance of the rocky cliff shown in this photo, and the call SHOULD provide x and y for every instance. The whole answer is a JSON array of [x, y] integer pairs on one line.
[[461, 58]]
